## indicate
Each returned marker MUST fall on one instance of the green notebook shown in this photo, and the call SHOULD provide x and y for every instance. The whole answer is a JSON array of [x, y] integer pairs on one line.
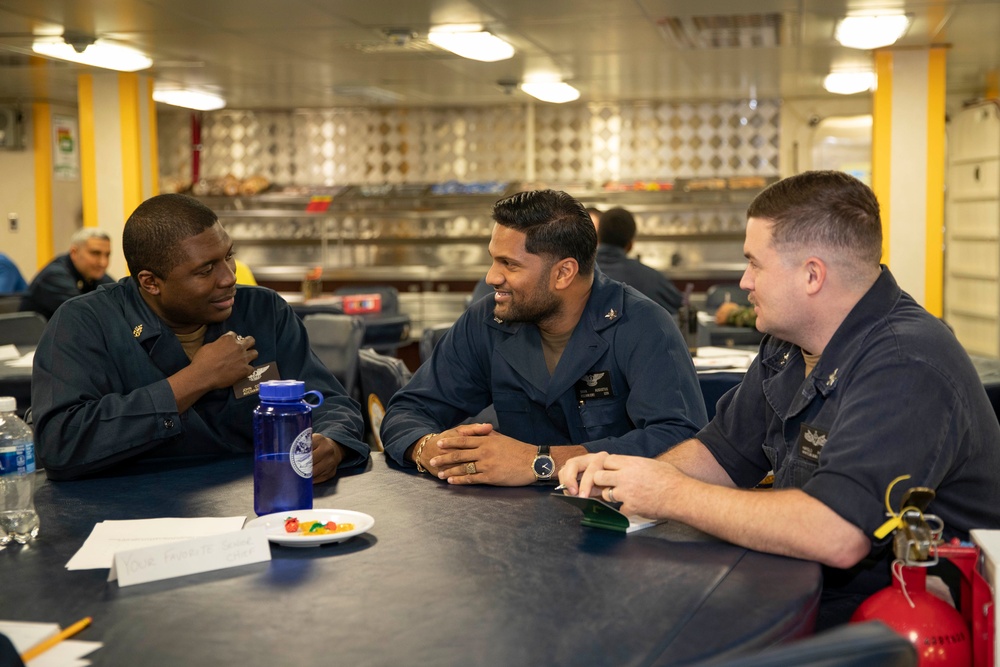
[[600, 514]]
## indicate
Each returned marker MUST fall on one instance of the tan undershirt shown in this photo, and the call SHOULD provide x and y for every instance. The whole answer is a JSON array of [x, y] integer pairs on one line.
[[552, 349], [811, 361], [192, 342]]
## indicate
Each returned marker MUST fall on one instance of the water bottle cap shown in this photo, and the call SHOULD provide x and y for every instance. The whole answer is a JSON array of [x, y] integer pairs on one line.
[[282, 390], [8, 404]]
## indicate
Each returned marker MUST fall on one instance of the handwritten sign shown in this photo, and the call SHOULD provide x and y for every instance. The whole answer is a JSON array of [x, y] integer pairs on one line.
[[176, 559]]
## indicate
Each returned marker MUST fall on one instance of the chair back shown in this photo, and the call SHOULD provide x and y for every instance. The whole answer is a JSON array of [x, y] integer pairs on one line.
[[429, 340], [716, 295], [336, 340], [23, 328], [10, 302], [380, 376]]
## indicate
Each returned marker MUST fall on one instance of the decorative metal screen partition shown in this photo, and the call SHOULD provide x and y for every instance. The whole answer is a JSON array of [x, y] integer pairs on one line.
[[572, 143]]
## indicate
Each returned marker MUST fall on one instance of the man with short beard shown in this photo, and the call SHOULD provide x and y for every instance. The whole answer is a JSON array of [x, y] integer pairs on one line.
[[571, 360]]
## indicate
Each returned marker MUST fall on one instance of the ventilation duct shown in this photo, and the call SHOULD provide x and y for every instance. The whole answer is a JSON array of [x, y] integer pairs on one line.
[[745, 31]]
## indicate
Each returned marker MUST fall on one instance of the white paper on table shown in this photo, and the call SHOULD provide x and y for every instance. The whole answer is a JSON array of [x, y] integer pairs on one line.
[[98, 551], [23, 362], [68, 653], [712, 351], [25, 635], [8, 352], [723, 358]]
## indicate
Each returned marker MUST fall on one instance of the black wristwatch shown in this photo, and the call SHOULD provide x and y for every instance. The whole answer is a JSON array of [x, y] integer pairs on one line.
[[544, 466]]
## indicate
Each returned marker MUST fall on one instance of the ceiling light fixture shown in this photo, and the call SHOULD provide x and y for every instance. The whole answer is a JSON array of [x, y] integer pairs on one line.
[[189, 99], [96, 53], [471, 42], [871, 32], [849, 83], [556, 92]]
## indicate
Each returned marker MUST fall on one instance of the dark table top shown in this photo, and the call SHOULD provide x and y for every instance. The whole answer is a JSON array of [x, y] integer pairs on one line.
[[447, 576]]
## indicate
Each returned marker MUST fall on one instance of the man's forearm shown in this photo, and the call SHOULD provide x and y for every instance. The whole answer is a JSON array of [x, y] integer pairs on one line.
[[694, 459]]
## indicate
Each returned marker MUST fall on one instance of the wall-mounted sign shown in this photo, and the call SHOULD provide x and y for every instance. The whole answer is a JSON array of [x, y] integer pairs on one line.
[[65, 148]]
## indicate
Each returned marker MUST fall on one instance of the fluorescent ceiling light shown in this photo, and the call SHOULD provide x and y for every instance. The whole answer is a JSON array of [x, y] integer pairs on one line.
[[98, 54], [472, 44], [189, 99], [871, 32], [556, 92], [849, 83]]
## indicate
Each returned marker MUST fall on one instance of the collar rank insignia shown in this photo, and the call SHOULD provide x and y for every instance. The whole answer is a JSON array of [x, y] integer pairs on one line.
[[497, 320], [612, 314], [137, 331], [833, 378]]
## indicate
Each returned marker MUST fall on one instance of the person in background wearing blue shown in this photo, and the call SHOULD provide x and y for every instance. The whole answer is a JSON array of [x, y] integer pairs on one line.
[[615, 235], [79, 271], [168, 362], [855, 385], [571, 360], [11, 279]]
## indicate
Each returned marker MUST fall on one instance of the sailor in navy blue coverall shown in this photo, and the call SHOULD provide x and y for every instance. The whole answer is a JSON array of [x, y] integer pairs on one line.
[[570, 359], [160, 367], [855, 385]]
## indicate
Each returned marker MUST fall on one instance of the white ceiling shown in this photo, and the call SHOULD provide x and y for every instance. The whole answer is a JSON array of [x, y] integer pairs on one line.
[[323, 53]]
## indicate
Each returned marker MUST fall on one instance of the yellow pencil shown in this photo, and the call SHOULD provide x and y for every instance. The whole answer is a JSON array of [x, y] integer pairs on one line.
[[44, 646]]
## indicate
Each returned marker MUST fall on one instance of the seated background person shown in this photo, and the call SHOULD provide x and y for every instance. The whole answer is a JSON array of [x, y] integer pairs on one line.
[[855, 384], [11, 279], [158, 364], [244, 276], [571, 360], [615, 234], [78, 272]]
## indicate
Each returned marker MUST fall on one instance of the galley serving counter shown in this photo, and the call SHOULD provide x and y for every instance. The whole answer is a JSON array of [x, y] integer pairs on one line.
[[433, 247]]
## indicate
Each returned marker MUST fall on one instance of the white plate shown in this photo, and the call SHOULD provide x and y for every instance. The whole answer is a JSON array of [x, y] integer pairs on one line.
[[274, 526]]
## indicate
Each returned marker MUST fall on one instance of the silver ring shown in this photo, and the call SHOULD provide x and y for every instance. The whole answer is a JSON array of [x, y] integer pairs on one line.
[[239, 338], [611, 494], [470, 468]]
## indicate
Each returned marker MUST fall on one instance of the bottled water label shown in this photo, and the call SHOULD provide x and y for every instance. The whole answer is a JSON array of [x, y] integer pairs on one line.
[[300, 454], [17, 458]]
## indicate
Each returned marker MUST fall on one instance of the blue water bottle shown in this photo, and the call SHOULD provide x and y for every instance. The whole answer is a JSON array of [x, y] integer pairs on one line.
[[282, 440]]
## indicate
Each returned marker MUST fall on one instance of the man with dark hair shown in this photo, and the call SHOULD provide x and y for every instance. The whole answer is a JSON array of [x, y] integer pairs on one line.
[[855, 386], [571, 361], [615, 235], [168, 362], [79, 271]]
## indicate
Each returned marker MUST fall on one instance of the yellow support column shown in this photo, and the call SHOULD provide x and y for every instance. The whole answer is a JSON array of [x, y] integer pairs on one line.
[[42, 125], [908, 142]]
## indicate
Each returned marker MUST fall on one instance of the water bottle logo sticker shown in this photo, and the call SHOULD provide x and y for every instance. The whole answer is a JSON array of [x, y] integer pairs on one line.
[[300, 454], [16, 459]]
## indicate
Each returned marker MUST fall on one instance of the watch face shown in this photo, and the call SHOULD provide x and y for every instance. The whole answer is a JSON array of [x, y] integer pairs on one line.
[[543, 466]]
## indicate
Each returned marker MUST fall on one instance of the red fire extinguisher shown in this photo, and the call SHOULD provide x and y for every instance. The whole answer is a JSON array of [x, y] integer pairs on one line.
[[937, 630]]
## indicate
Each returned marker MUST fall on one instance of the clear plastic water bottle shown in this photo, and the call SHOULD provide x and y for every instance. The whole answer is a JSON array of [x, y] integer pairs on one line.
[[282, 440], [18, 518]]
